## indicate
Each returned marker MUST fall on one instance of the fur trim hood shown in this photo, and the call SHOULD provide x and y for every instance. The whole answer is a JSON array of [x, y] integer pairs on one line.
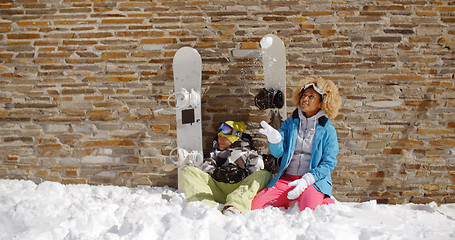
[[331, 103]]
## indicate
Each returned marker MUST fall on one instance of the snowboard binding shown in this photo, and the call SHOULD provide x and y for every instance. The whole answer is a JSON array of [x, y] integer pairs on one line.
[[185, 158], [269, 98], [185, 99]]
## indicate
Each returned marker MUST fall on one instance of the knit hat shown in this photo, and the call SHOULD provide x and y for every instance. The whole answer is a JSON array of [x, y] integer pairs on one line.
[[237, 127]]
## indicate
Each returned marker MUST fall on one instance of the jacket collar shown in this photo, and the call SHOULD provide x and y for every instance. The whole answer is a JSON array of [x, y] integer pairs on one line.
[[321, 120]]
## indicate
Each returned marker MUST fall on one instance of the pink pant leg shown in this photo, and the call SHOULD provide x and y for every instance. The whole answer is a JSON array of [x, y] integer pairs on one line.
[[312, 198], [328, 201], [276, 196]]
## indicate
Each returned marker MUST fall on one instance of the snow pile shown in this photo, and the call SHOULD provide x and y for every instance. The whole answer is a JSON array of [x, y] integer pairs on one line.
[[55, 211], [266, 42]]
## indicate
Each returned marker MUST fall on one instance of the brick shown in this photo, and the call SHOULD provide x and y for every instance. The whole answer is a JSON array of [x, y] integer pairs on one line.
[[376, 144], [54, 55], [276, 18], [75, 181], [79, 42], [94, 98], [138, 4], [108, 104], [159, 41], [160, 127], [395, 151], [42, 173], [140, 34], [56, 128], [73, 22], [122, 79], [325, 32], [87, 54], [72, 173], [113, 55], [96, 35], [106, 91], [108, 143], [385, 39], [249, 45], [23, 36], [63, 99], [383, 8], [408, 143], [35, 105], [448, 19], [421, 103], [5, 99], [99, 112], [316, 13], [206, 45], [77, 91], [424, 131], [420, 200], [33, 23], [122, 21], [55, 67], [431, 187], [73, 112], [442, 143], [391, 201]]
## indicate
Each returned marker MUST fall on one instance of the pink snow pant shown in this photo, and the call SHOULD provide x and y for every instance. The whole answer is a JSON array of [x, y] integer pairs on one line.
[[277, 196]]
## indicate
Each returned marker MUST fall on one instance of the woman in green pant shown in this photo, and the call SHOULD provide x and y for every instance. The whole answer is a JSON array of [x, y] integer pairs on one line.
[[232, 175]]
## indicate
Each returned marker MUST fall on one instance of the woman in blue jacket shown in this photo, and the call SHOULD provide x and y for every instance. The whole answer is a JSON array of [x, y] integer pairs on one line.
[[308, 145]]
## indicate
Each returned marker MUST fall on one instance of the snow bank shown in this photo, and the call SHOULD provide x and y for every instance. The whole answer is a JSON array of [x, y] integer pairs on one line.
[[55, 211], [266, 42]]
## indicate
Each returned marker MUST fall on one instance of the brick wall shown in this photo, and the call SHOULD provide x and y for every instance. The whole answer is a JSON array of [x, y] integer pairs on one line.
[[84, 86]]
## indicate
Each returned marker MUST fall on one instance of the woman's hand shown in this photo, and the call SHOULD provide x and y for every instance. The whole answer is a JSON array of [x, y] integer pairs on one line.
[[300, 185], [273, 136]]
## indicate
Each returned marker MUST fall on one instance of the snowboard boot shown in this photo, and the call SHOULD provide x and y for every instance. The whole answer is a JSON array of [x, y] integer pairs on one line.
[[269, 98]]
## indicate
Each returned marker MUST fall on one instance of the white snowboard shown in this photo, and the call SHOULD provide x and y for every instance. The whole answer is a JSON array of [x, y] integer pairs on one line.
[[274, 64], [187, 68]]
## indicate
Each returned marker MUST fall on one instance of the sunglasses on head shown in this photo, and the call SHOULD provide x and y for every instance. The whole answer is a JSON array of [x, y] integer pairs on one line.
[[228, 130], [315, 87]]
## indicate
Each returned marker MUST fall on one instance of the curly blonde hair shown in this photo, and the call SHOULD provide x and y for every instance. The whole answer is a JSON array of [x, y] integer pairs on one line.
[[331, 103]]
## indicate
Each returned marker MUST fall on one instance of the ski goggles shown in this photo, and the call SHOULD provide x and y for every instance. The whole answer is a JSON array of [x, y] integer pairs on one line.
[[318, 90], [228, 130]]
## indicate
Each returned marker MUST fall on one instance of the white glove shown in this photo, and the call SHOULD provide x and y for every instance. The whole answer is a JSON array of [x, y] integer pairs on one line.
[[300, 185], [272, 134]]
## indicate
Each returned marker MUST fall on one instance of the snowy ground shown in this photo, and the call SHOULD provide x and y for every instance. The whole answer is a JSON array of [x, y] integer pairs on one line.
[[55, 211]]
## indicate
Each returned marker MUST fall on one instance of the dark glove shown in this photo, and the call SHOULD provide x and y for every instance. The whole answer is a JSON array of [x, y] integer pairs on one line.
[[271, 163], [229, 174]]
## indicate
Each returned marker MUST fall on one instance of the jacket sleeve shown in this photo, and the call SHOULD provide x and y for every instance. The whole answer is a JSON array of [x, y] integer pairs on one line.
[[248, 159], [254, 162], [277, 149], [328, 158]]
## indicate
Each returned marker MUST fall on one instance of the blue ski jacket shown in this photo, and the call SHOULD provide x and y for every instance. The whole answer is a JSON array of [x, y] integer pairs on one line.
[[323, 153]]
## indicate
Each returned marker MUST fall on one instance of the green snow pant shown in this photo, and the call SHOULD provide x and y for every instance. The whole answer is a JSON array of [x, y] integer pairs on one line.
[[200, 186]]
